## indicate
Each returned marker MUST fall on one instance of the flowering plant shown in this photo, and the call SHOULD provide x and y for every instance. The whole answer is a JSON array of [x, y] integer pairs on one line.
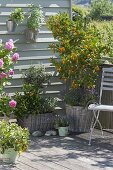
[[13, 136], [7, 59], [80, 49], [7, 105]]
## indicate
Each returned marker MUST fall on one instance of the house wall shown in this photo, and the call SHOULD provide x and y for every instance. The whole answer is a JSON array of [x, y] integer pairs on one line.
[[33, 53]]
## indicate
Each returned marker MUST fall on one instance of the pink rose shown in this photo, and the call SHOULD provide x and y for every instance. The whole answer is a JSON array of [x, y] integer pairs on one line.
[[9, 45], [15, 57], [12, 103], [3, 75], [11, 72], [11, 40], [1, 63]]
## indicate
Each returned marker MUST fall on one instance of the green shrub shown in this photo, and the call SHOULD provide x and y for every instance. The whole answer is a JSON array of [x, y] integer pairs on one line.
[[32, 100], [80, 49], [13, 136], [35, 17], [17, 15], [101, 8]]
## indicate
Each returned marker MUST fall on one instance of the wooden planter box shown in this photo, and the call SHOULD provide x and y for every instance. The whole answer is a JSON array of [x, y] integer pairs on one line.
[[79, 118], [42, 122]]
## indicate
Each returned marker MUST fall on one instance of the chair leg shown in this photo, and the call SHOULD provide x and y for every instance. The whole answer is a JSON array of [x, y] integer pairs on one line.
[[93, 124], [91, 130]]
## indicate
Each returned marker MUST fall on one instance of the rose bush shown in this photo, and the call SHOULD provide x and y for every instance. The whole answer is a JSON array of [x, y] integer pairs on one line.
[[7, 59]]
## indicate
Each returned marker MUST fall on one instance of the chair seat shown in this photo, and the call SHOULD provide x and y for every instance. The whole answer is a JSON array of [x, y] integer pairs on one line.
[[100, 107]]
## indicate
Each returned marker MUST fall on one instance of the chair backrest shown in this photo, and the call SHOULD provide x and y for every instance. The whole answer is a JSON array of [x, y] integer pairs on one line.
[[106, 81]]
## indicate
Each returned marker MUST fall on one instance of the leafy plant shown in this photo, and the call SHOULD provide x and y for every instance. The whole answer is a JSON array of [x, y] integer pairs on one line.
[[13, 136], [36, 76], [61, 122], [80, 49], [17, 16], [32, 100], [101, 8], [35, 17], [49, 104], [80, 13], [81, 97]]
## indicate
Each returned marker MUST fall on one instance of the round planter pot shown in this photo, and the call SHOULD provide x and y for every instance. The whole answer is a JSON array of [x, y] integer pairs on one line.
[[10, 155], [79, 118], [11, 26], [31, 35], [63, 131]]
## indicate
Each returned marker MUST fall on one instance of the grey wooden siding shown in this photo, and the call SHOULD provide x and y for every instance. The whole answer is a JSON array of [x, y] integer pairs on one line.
[[33, 53]]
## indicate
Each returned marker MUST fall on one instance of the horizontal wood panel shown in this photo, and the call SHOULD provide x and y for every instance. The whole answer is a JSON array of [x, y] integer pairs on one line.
[[26, 10], [44, 3], [42, 52], [33, 46], [13, 89], [17, 81], [21, 27], [107, 88], [21, 37]]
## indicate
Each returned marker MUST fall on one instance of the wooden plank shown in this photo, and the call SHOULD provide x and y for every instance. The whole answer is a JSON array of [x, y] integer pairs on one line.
[[23, 166], [59, 155], [107, 88], [44, 161], [107, 84], [41, 2], [45, 9], [33, 162], [33, 52], [107, 74]]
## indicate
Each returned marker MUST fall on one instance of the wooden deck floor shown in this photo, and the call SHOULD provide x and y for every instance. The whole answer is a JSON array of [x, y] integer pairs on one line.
[[69, 153]]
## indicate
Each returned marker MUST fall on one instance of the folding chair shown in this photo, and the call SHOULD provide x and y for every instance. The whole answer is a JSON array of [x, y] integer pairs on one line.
[[106, 85]]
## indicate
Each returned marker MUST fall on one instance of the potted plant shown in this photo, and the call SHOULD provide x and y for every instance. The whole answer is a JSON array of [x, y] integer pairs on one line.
[[34, 21], [80, 47], [78, 115], [34, 110], [13, 141], [15, 18], [62, 125]]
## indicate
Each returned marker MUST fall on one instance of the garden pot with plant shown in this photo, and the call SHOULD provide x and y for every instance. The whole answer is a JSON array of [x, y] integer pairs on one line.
[[13, 141], [15, 18], [63, 126], [80, 47], [34, 21], [78, 115], [34, 110]]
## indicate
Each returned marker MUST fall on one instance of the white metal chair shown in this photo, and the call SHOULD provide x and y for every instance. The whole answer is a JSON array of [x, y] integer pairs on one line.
[[106, 85]]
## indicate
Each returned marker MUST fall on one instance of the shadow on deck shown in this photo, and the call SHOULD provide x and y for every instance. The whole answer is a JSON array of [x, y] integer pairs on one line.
[[66, 153]]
